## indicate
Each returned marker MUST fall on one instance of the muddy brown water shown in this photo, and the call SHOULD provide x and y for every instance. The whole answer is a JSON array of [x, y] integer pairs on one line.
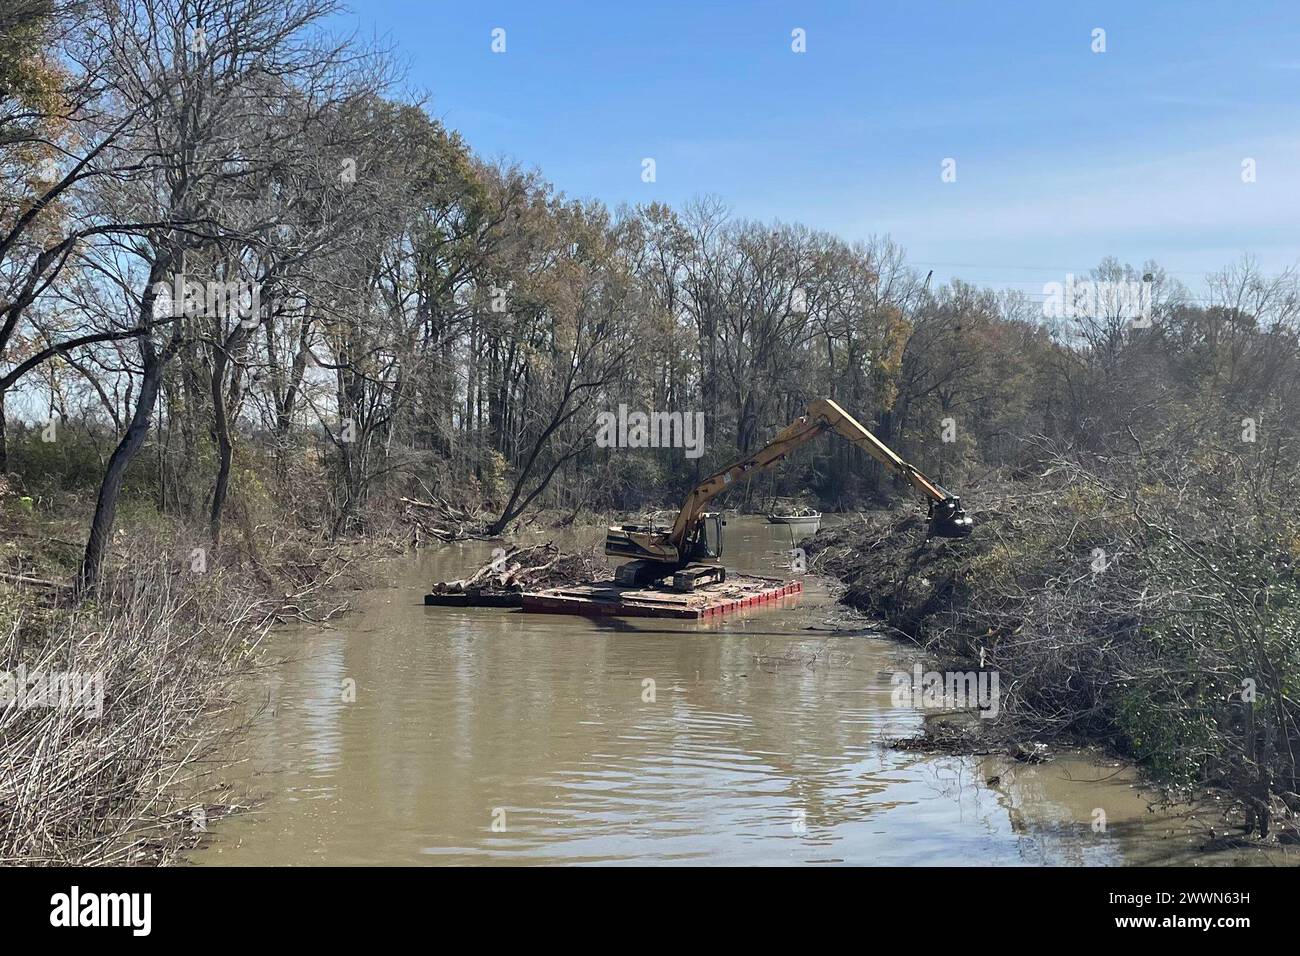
[[482, 736]]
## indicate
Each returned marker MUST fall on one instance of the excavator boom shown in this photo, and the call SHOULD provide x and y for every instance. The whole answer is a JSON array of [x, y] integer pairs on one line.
[[947, 519]]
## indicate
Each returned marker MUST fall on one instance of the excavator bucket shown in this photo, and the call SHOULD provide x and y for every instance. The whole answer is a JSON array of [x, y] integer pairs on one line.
[[949, 520]]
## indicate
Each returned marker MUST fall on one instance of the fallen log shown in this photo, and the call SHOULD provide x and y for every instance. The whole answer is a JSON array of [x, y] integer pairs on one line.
[[33, 582]]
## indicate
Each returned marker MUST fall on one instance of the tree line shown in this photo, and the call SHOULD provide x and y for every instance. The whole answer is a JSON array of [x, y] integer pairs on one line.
[[228, 237]]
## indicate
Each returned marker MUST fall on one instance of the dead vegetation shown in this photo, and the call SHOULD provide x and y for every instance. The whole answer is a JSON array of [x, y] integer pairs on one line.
[[441, 520], [120, 771], [1147, 601], [113, 777]]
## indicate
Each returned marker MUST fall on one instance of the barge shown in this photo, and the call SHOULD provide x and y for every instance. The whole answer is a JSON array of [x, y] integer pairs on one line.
[[610, 599]]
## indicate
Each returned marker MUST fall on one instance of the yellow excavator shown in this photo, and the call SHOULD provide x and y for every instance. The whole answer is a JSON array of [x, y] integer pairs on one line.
[[696, 535]]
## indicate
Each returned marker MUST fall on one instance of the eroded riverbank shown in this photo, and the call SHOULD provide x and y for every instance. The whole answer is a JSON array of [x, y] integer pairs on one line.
[[411, 735]]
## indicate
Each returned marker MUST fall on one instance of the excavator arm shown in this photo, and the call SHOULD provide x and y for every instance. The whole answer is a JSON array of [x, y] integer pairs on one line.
[[947, 519]]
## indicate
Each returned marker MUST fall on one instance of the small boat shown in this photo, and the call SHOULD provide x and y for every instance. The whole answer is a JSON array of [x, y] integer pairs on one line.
[[804, 520]]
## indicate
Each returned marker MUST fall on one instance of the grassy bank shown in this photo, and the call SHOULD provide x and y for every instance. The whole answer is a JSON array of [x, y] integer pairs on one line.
[[1146, 601]]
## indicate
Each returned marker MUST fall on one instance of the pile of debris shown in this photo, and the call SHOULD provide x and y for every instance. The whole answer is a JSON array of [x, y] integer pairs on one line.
[[892, 570], [502, 581], [439, 518]]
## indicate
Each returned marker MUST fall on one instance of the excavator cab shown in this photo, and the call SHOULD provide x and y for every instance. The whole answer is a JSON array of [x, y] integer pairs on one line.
[[658, 558], [708, 540]]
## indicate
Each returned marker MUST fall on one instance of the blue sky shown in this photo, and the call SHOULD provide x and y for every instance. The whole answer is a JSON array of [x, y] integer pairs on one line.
[[1062, 155]]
